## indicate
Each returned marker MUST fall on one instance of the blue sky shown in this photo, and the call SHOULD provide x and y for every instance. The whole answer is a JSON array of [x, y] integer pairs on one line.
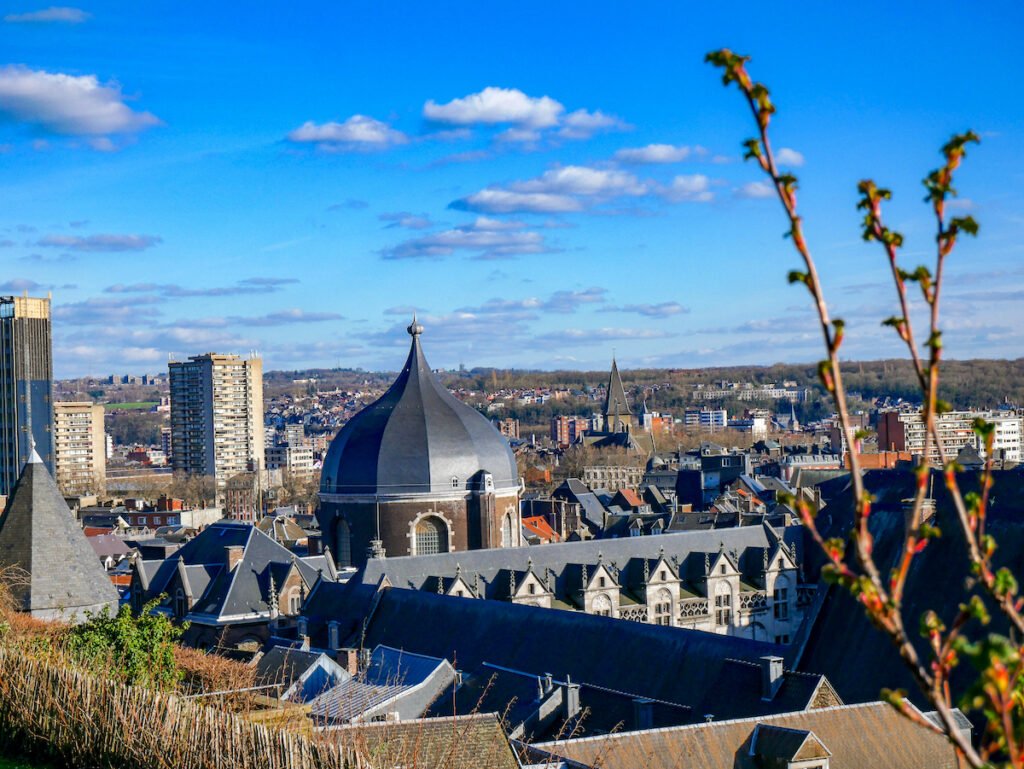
[[543, 182]]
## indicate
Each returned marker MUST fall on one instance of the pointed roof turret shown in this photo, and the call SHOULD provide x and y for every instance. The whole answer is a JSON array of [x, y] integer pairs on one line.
[[40, 536], [615, 403]]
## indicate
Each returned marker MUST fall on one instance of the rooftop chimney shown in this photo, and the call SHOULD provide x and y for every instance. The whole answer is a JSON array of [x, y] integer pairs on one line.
[[571, 699], [232, 555], [771, 677], [643, 714]]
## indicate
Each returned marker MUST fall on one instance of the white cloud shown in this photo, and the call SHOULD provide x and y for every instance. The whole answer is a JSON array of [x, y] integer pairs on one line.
[[660, 310], [407, 220], [755, 190], [582, 124], [52, 15], [100, 242], [20, 284], [788, 157], [493, 106], [287, 316], [527, 117], [555, 191], [67, 104], [654, 153], [497, 201], [688, 187], [358, 132], [582, 180], [480, 237]]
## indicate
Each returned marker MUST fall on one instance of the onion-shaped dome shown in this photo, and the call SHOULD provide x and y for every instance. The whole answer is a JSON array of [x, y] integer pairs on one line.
[[417, 438]]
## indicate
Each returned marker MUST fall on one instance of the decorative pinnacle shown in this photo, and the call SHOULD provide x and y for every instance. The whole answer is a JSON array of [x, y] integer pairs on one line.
[[414, 329]]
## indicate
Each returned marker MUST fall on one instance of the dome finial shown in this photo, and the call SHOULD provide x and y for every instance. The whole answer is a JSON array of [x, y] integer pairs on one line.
[[415, 329]]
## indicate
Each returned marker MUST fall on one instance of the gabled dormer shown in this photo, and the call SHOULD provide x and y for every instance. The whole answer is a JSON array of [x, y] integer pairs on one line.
[[779, 747]]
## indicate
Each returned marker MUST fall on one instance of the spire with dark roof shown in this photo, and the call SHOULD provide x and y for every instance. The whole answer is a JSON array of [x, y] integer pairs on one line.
[[40, 536], [615, 404]]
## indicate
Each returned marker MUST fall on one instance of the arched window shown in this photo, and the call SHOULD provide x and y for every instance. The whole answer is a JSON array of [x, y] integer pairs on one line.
[[294, 601], [344, 542], [506, 530], [602, 605], [431, 536]]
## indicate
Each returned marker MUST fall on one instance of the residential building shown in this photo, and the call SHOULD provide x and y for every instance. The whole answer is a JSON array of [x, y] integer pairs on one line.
[[508, 427], [905, 431], [566, 429], [26, 386], [292, 459], [232, 582], [217, 416], [705, 418], [612, 477], [80, 448]]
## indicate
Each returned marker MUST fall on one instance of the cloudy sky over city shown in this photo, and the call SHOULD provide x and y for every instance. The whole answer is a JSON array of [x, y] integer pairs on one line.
[[543, 183]]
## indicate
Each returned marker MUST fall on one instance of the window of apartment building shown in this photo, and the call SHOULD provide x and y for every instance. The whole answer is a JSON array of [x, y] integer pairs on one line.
[[782, 639]]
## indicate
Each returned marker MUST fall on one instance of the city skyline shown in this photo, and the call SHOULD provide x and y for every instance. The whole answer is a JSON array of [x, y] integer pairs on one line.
[[299, 183]]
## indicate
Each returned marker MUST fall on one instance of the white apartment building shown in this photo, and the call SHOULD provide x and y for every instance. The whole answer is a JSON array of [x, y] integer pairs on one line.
[[706, 419], [293, 460], [905, 431], [217, 416], [80, 448]]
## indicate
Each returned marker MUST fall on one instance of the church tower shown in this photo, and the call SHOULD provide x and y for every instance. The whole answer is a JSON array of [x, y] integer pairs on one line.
[[617, 416]]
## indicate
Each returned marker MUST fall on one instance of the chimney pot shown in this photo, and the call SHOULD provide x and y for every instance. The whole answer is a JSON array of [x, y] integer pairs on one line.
[[771, 676], [232, 555]]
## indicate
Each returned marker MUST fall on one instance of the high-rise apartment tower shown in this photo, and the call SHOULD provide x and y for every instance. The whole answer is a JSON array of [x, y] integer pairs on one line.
[[80, 448], [217, 416], [26, 386]]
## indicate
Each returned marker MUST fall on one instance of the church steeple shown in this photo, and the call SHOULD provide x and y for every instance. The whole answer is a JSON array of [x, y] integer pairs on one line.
[[617, 415]]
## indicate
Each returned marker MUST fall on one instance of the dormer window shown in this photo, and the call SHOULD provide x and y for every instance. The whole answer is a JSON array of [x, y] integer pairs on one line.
[[723, 568], [601, 581], [531, 589], [661, 575]]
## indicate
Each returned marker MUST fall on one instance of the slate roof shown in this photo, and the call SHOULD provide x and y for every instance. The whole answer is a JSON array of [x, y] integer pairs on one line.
[[463, 742], [390, 673], [676, 665], [40, 536], [221, 593], [560, 562], [856, 736], [416, 438], [282, 665], [866, 661], [108, 545], [615, 403], [575, 490]]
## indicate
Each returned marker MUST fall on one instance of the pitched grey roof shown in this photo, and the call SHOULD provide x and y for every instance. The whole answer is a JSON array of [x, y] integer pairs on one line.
[[244, 590], [856, 736], [671, 664], [416, 438], [390, 673], [615, 403], [40, 536], [562, 559]]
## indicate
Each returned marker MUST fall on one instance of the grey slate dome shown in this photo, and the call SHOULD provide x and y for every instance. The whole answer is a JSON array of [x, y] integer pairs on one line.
[[417, 438]]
